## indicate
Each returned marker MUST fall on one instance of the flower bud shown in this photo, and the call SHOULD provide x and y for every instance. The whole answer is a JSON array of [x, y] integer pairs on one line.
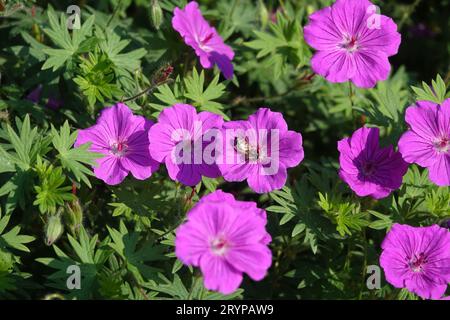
[[74, 215], [53, 229], [156, 14], [310, 9]]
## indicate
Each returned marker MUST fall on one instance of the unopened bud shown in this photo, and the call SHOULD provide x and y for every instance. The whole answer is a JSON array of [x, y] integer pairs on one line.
[[156, 14], [53, 229], [74, 215], [310, 9]]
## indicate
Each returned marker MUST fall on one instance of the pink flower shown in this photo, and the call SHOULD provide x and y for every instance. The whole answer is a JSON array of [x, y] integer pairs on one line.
[[123, 138], [427, 142], [417, 259], [353, 42], [178, 140], [368, 169], [225, 238], [260, 150], [205, 40]]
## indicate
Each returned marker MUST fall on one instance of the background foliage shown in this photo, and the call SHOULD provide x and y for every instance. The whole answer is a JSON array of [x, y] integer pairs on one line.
[[54, 213]]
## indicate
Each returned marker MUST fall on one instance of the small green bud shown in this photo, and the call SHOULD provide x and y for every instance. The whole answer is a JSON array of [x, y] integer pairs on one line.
[[74, 215], [310, 9], [53, 229], [156, 14]]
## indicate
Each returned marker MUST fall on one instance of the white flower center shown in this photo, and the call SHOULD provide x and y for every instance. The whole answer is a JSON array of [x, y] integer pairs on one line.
[[349, 43], [442, 145], [219, 246], [249, 151], [417, 262], [119, 148], [203, 43]]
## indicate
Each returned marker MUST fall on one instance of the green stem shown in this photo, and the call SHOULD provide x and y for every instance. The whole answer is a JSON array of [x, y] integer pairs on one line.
[[116, 10], [147, 90], [363, 285], [350, 93]]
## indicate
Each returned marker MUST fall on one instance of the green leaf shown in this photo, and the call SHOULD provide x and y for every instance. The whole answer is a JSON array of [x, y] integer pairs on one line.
[[19, 156], [13, 238], [97, 79], [383, 222], [295, 206], [50, 192], [69, 46], [74, 159], [125, 244], [177, 290], [437, 92], [90, 257], [112, 46], [203, 98], [281, 47]]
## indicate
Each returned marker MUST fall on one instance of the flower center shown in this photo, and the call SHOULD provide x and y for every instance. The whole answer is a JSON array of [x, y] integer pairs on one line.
[[119, 148], [417, 263], [243, 146], [203, 44], [207, 38], [442, 145], [349, 43], [219, 246], [368, 168]]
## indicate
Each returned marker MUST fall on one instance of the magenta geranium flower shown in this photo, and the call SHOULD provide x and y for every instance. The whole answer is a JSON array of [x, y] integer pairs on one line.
[[123, 138], [353, 42], [417, 259], [260, 150], [427, 142], [368, 169], [181, 139], [225, 238], [203, 38]]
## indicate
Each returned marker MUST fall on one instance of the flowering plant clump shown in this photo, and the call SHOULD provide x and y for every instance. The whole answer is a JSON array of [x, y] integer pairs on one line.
[[224, 150]]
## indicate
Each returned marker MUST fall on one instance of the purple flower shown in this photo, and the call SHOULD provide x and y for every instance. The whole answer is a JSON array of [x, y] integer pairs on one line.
[[225, 238], [181, 138], [35, 95], [427, 142], [54, 103], [353, 42], [260, 150], [123, 138], [417, 259], [368, 169], [205, 40]]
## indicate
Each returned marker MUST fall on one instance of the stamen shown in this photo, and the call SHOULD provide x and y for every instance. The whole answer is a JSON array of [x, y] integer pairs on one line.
[[417, 263], [349, 43], [119, 148], [442, 145], [243, 146], [207, 38], [219, 246]]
